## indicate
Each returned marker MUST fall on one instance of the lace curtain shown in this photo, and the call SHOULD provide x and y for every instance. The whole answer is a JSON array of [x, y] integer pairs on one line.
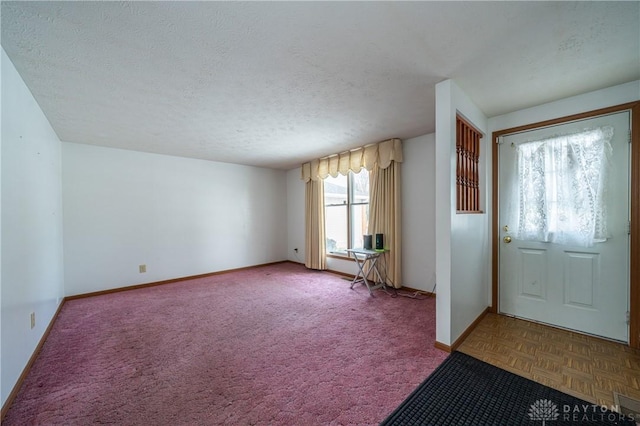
[[562, 183]]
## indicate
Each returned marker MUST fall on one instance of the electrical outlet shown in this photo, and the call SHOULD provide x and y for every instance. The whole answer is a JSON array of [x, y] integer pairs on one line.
[[33, 319], [142, 268]]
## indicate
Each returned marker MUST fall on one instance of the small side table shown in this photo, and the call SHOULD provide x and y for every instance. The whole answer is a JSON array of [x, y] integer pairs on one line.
[[367, 261]]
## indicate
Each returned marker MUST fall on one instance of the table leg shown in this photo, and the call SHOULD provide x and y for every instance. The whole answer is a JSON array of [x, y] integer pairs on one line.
[[362, 274], [366, 264]]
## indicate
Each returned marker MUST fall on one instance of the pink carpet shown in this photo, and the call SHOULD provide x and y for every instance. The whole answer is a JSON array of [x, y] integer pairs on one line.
[[271, 345]]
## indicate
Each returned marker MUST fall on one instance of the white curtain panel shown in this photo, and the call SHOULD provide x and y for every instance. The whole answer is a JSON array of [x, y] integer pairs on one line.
[[562, 185]]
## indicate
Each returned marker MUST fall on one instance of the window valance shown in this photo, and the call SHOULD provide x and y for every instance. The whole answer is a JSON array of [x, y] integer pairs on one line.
[[369, 156]]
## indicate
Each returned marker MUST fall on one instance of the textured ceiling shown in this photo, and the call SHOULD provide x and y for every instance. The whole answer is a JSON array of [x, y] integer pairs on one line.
[[276, 84]]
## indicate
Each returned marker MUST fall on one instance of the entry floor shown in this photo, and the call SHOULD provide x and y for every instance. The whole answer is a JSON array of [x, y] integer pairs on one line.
[[586, 367]]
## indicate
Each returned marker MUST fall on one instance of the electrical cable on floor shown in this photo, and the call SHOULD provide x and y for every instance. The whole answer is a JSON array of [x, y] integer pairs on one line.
[[387, 280], [391, 290], [395, 291], [410, 295]]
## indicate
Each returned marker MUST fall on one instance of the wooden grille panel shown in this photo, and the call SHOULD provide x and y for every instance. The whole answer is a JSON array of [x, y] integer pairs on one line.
[[467, 174]]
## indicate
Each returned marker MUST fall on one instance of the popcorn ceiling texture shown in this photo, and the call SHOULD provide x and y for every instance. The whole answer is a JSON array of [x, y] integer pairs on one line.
[[276, 84]]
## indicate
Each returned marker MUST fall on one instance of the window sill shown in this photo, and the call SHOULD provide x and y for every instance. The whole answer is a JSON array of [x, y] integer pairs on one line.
[[343, 256], [469, 212]]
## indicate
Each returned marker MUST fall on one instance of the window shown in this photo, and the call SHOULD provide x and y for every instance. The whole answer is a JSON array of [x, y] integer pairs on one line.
[[346, 200], [467, 175], [562, 188]]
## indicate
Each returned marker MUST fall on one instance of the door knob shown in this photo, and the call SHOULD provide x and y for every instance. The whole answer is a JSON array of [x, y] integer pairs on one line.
[[507, 239]]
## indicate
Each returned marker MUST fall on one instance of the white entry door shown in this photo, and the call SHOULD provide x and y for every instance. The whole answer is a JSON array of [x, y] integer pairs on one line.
[[552, 270]]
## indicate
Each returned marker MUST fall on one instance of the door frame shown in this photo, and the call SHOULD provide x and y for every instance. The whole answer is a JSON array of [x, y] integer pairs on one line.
[[634, 246]]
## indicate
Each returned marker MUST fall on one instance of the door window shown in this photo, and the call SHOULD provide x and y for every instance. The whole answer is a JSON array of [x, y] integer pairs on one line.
[[562, 183]]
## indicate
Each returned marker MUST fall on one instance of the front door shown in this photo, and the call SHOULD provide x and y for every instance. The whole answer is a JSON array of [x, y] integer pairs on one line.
[[564, 225]]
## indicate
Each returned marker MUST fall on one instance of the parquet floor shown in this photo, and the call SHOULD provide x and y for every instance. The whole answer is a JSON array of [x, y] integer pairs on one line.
[[583, 366]]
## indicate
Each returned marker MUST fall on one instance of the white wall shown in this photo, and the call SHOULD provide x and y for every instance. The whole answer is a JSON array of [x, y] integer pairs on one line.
[[295, 216], [2, 57], [418, 228], [177, 216], [32, 254], [418, 213], [604, 98], [462, 240]]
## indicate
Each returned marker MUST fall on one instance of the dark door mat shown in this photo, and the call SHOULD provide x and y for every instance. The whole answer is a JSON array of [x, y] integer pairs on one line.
[[466, 391]]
